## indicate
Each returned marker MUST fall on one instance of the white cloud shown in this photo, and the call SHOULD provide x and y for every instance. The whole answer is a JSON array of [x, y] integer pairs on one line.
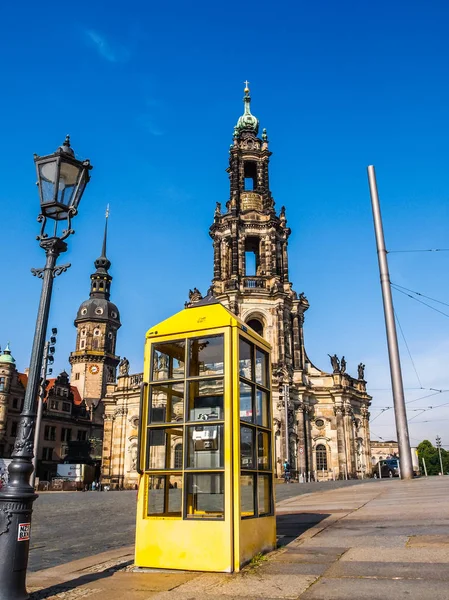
[[104, 48]]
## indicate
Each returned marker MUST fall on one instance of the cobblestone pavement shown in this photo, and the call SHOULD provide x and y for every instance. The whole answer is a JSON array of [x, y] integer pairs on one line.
[[67, 526], [383, 540]]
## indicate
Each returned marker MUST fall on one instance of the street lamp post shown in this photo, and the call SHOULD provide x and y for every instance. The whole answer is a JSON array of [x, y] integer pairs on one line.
[[62, 179], [47, 358], [438, 440]]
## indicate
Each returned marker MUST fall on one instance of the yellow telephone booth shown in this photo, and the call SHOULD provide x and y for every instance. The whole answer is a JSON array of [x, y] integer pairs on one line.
[[206, 493]]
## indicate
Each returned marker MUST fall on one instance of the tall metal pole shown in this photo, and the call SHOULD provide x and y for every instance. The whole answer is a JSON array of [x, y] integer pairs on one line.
[[40, 410], [439, 452], [405, 456]]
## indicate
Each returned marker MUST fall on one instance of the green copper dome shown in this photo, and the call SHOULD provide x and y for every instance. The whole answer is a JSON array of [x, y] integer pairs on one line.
[[247, 122], [6, 356]]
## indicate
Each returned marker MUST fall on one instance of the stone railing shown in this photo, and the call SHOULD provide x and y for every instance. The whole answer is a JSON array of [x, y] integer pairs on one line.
[[135, 379], [254, 283], [127, 381]]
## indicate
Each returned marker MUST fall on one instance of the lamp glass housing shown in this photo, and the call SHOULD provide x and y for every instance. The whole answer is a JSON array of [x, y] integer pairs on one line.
[[61, 180]]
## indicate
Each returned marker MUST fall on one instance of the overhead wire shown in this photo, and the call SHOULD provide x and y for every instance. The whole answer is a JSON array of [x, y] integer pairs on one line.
[[427, 250], [419, 294], [408, 349], [420, 301]]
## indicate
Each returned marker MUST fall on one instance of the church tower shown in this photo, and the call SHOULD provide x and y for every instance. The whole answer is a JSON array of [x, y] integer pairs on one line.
[[251, 273], [321, 419], [94, 361]]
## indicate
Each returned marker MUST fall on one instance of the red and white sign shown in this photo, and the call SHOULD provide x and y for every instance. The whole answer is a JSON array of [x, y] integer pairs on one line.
[[23, 533], [301, 449]]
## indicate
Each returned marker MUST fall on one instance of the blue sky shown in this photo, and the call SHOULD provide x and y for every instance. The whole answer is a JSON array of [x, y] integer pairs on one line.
[[150, 92]]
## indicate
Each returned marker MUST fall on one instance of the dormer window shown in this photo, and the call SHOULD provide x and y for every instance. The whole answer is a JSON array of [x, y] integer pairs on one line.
[[98, 310]]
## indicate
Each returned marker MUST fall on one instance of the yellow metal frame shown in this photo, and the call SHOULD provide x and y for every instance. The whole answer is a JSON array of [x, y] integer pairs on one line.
[[204, 544]]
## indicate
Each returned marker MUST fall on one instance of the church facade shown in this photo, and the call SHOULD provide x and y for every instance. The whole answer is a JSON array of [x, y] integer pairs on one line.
[[321, 418]]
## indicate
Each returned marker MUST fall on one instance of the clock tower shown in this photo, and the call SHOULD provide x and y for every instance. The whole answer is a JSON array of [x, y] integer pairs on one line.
[[94, 361]]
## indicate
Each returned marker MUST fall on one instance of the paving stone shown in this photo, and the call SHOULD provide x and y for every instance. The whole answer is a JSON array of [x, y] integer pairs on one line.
[[151, 582], [376, 589], [390, 570], [298, 558], [283, 568], [423, 541], [372, 541], [404, 555]]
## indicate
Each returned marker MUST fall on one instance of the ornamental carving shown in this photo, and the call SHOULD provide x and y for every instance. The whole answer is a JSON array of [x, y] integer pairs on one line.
[[5, 519], [24, 441], [250, 144], [338, 410], [251, 201]]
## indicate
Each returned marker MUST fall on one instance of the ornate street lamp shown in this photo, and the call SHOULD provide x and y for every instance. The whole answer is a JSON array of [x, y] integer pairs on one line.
[[62, 179]]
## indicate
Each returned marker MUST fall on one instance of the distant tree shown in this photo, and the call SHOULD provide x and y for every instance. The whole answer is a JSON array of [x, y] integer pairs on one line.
[[428, 451]]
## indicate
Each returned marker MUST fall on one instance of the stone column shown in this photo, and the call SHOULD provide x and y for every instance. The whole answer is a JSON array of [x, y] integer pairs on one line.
[[349, 439], [308, 439], [234, 250], [341, 443], [366, 438], [281, 340], [285, 260], [107, 451], [241, 251], [302, 440], [296, 343], [301, 340], [273, 256], [268, 256], [279, 260], [217, 258]]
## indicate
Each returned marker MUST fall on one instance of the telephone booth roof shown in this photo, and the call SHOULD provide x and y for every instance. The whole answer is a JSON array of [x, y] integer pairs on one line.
[[201, 317]]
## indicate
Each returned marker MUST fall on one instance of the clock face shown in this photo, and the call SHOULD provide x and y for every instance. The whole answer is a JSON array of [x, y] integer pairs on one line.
[[94, 369]]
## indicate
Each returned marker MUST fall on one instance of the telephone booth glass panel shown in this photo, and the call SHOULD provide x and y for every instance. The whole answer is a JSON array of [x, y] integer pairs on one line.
[[255, 431], [186, 384]]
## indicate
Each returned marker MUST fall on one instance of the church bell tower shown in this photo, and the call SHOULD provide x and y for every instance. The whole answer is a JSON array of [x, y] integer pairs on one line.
[[94, 362], [251, 249], [251, 277]]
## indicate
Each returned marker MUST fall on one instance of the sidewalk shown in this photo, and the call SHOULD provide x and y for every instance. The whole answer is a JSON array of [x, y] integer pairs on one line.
[[388, 539]]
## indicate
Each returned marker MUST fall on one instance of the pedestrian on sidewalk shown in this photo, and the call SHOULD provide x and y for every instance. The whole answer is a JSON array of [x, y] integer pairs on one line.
[[287, 472]]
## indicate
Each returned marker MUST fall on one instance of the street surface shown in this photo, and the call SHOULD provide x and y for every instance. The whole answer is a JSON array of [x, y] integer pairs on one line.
[[70, 525], [385, 539]]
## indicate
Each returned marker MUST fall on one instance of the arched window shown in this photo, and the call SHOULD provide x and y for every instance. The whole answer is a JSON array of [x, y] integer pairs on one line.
[[256, 325], [178, 456], [321, 457]]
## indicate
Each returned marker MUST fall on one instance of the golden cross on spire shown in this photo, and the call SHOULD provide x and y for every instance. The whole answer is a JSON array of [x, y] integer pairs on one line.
[[246, 85]]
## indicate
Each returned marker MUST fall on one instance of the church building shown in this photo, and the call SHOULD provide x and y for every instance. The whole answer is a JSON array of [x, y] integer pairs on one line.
[[321, 418]]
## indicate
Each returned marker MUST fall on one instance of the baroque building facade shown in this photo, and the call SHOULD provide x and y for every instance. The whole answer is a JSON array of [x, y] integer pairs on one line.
[[66, 419], [321, 418]]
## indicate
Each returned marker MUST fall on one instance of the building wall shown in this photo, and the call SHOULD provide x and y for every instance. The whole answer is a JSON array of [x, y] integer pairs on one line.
[[382, 450], [121, 421]]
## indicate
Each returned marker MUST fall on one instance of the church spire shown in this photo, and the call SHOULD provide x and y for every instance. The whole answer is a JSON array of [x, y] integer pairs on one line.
[[247, 122], [101, 280]]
